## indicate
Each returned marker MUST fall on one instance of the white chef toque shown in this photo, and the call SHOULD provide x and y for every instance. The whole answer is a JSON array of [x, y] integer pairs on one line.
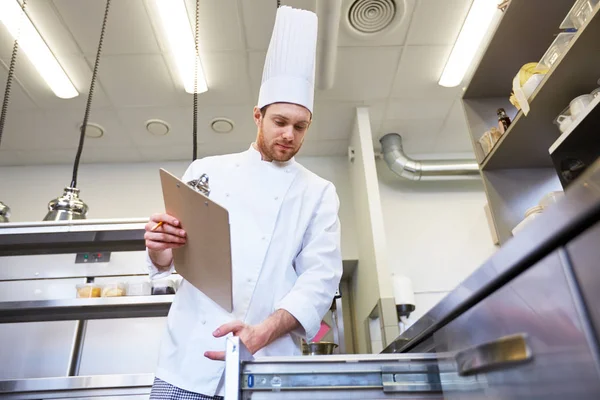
[[289, 72]]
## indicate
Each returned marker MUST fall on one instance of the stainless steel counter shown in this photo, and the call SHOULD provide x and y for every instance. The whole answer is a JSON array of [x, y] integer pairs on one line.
[[579, 210]]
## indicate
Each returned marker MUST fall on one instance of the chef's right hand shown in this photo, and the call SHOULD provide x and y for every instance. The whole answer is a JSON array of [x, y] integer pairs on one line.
[[168, 236]]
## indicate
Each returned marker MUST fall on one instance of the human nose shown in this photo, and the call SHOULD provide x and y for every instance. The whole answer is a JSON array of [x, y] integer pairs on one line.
[[288, 134]]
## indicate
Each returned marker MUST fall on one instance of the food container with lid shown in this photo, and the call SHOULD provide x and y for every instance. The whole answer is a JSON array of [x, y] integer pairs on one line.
[[579, 14], [88, 290], [163, 286], [139, 289], [555, 51], [531, 214], [114, 289]]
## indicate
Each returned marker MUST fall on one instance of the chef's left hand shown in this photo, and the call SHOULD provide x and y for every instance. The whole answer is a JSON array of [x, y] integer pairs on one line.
[[252, 337]]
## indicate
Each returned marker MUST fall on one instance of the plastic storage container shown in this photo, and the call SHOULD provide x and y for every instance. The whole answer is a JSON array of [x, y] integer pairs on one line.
[[88, 290], [114, 290], [556, 49], [139, 289], [579, 14], [551, 198], [530, 215], [163, 286]]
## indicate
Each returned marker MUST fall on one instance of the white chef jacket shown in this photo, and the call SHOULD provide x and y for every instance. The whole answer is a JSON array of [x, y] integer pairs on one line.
[[285, 243]]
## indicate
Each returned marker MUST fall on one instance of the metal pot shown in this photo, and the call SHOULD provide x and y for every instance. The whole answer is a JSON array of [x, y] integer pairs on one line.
[[318, 348]]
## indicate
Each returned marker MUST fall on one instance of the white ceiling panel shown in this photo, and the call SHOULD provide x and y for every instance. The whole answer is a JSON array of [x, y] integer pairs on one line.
[[218, 148], [324, 148], [128, 29], [60, 130], [259, 17], [418, 135], [256, 60], [165, 153], [393, 36], [19, 99], [419, 72], [332, 120], [178, 118], [137, 80], [437, 22], [226, 76], [454, 136], [110, 155], [48, 157], [364, 74], [418, 108], [12, 157]]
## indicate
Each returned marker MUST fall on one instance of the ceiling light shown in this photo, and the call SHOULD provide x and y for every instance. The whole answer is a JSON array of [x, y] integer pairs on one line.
[[469, 39], [222, 125], [20, 27], [177, 28], [93, 131], [157, 127]]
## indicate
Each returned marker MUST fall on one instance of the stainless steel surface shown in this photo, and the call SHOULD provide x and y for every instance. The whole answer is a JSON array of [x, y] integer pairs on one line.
[[407, 376], [319, 348], [4, 213], [67, 207], [537, 303], [405, 167], [71, 236], [77, 387], [95, 308], [77, 348], [579, 210], [495, 355]]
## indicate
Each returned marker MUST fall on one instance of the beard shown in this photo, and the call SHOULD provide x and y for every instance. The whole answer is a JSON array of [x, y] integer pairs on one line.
[[272, 151]]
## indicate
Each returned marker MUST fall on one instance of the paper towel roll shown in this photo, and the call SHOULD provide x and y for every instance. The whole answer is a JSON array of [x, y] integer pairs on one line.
[[403, 291]]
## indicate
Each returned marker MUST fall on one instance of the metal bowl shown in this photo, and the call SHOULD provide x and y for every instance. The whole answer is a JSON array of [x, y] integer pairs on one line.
[[318, 348]]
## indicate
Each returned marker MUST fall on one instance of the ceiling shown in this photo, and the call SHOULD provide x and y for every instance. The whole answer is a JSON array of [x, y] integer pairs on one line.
[[394, 73]]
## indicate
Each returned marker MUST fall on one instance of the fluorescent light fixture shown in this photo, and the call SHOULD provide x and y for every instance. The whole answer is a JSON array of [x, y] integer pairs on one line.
[[180, 35], [469, 39], [20, 27]]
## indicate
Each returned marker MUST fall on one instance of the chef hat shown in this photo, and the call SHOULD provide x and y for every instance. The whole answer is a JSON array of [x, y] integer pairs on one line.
[[289, 72]]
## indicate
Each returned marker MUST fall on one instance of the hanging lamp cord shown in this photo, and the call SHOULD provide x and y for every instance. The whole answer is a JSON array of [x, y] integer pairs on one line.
[[88, 106], [9, 78], [278, 3], [195, 113]]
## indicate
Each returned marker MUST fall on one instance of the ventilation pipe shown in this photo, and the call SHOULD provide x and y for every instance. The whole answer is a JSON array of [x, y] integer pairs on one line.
[[433, 170], [329, 13]]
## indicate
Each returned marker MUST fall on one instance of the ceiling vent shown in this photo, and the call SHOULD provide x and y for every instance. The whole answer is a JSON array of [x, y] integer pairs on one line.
[[369, 18]]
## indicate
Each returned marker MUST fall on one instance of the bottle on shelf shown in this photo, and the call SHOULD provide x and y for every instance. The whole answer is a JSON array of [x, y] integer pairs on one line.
[[503, 120]]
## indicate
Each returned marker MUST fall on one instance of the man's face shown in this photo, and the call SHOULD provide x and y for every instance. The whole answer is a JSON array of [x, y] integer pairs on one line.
[[281, 130]]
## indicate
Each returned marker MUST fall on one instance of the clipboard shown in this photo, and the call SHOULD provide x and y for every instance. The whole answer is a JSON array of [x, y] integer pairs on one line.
[[205, 260]]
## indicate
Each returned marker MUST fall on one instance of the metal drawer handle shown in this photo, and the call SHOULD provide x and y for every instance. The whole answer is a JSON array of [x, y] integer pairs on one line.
[[501, 353]]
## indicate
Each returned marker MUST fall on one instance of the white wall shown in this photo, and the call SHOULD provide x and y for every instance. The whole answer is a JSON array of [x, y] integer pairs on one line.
[[436, 232], [133, 190]]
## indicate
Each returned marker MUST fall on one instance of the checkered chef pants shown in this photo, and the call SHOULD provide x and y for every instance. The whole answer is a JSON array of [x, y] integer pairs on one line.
[[162, 390]]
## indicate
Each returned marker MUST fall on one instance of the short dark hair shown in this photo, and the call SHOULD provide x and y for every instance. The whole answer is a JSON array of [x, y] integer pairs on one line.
[[263, 110]]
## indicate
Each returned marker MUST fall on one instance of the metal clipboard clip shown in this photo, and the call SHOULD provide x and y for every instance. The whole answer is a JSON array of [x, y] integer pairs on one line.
[[200, 185]]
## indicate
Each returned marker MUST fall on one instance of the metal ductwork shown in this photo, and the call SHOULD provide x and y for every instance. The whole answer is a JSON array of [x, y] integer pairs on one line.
[[433, 170]]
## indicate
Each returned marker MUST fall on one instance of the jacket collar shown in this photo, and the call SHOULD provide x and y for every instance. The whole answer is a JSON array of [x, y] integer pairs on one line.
[[255, 155]]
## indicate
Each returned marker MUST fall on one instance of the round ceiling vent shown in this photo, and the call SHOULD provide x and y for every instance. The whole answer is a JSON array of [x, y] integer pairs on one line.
[[372, 17], [157, 127], [222, 125], [93, 131]]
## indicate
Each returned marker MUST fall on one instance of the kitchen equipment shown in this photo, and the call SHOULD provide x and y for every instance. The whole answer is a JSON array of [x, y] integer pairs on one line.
[[163, 286], [318, 348], [551, 198], [579, 104], [563, 121], [595, 93]]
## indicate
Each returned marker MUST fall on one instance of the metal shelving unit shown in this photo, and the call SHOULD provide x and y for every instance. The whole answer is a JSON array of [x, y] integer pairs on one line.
[[519, 171]]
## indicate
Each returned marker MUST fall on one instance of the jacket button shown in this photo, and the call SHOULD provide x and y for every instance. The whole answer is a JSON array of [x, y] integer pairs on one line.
[[276, 197]]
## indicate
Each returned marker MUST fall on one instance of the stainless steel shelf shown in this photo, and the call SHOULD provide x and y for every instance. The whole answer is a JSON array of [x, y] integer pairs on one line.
[[119, 386], [525, 143], [71, 236], [85, 309]]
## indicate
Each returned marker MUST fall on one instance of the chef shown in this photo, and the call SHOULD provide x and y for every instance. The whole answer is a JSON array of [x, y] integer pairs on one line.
[[285, 233]]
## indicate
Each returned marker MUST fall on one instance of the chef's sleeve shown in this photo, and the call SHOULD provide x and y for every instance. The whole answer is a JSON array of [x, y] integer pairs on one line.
[[318, 266], [153, 270]]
